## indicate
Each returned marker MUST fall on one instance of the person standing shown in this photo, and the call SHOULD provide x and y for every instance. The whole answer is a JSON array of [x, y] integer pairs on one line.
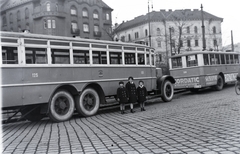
[[142, 95], [132, 93], [122, 96]]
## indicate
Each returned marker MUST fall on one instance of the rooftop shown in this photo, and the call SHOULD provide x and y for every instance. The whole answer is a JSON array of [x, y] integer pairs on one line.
[[164, 15]]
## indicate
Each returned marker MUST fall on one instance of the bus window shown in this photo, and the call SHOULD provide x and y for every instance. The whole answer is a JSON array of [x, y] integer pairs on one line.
[[192, 60], [223, 59], [236, 60], [141, 59], [99, 57], [227, 59], [212, 59], [231, 59], [81, 57], [60, 56], [177, 62], [9, 55], [153, 60], [217, 58], [130, 58], [115, 57], [205, 59], [36, 55], [147, 60]]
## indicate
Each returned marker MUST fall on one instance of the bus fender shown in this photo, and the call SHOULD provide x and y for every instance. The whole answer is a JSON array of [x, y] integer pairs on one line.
[[162, 79]]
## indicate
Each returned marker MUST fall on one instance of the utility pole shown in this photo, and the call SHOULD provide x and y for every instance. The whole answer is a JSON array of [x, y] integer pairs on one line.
[[149, 26], [232, 41], [203, 30]]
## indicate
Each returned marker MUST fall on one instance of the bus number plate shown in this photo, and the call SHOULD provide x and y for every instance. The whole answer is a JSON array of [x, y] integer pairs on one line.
[[35, 75]]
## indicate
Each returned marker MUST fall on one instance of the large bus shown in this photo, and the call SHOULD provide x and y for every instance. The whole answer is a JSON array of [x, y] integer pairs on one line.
[[199, 69], [57, 76]]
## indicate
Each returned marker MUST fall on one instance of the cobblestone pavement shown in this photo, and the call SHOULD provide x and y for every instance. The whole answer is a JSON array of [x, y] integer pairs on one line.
[[207, 123]]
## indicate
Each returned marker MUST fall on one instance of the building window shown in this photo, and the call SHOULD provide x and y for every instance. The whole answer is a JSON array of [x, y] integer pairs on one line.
[[129, 37], [53, 24], [196, 43], [195, 29], [96, 28], [181, 43], [215, 42], [19, 28], [95, 15], [11, 18], [18, 15], [4, 20], [48, 7], [158, 31], [136, 35], [56, 7], [85, 13], [188, 43], [45, 24], [49, 23], [107, 16], [85, 28], [214, 30], [27, 27], [123, 38], [188, 30], [159, 43], [74, 26], [146, 32], [73, 10], [26, 13]]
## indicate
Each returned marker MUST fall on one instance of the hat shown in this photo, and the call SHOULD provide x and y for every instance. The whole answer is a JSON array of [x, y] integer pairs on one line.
[[121, 82], [141, 81], [130, 77]]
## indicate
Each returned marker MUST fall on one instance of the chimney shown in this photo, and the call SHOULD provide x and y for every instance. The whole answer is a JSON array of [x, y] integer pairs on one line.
[[162, 10], [170, 10]]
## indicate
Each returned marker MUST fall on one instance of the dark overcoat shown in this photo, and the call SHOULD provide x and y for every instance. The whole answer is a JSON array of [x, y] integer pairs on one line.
[[122, 94], [132, 92], [141, 93]]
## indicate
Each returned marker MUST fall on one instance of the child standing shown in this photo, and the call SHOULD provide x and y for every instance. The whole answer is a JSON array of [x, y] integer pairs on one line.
[[142, 94], [132, 92], [122, 96]]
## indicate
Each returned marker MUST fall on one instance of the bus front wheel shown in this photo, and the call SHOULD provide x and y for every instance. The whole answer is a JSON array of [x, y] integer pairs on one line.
[[167, 91], [220, 83], [88, 103], [61, 106]]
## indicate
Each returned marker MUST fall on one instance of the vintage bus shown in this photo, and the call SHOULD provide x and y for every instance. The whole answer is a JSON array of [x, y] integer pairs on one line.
[[199, 69], [57, 76]]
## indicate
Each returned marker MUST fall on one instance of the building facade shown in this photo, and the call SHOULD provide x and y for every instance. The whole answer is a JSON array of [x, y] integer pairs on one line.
[[84, 18], [172, 32]]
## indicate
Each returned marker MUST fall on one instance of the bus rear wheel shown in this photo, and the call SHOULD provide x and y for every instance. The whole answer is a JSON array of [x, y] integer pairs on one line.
[[167, 91], [88, 103], [61, 106], [220, 83]]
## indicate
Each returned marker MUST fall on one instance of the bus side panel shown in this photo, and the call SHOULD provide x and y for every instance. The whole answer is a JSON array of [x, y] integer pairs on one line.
[[11, 89]]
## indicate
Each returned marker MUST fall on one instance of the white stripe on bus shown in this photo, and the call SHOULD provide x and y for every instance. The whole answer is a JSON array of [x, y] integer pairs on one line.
[[72, 82]]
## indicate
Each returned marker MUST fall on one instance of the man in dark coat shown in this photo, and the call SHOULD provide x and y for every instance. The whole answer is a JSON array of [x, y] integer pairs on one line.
[[132, 93], [122, 96], [142, 95]]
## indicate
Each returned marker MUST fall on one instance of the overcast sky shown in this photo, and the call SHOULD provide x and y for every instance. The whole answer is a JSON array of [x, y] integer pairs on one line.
[[229, 10]]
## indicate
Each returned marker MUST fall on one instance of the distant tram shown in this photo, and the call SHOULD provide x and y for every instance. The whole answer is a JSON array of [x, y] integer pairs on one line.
[[200, 69], [56, 76]]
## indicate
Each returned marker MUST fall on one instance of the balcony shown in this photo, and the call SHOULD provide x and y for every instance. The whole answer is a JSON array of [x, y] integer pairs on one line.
[[97, 34], [75, 31]]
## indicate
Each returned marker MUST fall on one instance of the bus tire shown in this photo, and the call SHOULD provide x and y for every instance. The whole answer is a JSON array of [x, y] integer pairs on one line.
[[167, 91], [220, 83], [88, 102], [61, 106]]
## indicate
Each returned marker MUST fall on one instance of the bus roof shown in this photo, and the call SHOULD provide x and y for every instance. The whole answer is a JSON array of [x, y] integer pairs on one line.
[[203, 52], [64, 38]]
